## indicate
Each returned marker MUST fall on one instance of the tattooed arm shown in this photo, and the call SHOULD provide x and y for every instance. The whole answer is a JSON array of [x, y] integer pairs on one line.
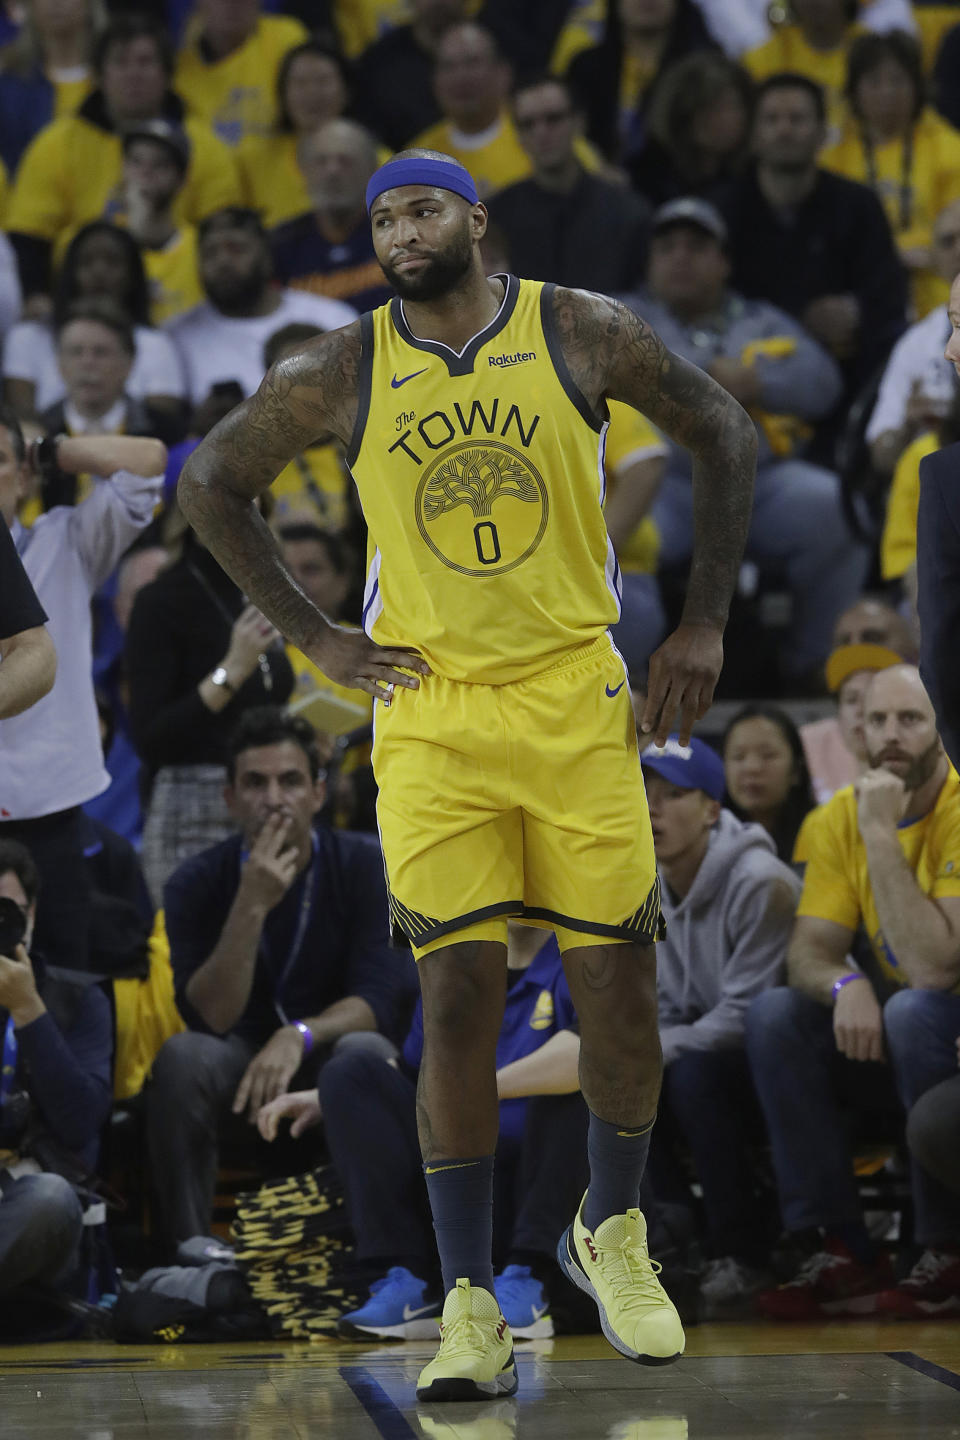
[[305, 397], [612, 353]]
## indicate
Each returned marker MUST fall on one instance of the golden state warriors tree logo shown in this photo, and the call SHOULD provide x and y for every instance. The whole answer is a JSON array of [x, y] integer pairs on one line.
[[482, 508]]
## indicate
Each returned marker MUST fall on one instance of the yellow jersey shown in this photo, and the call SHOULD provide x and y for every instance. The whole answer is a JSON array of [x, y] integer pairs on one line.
[[173, 276], [913, 184], [480, 474], [836, 884], [898, 543], [72, 171], [236, 96]]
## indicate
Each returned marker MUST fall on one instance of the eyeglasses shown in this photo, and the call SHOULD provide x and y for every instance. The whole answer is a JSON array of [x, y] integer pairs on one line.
[[549, 117]]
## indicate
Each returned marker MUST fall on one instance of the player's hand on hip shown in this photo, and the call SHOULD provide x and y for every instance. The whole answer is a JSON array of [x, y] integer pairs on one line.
[[682, 677], [351, 658]]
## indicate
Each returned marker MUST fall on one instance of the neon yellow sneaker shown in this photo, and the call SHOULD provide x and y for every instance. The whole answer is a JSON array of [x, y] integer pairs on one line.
[[475, 1359], [614, 1266]]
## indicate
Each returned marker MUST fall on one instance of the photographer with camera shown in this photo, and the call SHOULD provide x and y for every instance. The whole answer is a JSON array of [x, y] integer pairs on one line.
[[51, 761], [55, 1096]]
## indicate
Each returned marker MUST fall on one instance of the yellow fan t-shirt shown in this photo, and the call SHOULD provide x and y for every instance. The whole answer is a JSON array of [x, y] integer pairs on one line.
[[836, 883], [237, 95]]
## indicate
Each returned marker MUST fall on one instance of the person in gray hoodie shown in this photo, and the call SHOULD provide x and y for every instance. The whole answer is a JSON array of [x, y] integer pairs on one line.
[[729, 906]]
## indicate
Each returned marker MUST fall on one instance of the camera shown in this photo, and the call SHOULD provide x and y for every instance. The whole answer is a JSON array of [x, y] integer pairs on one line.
[[13, 926]]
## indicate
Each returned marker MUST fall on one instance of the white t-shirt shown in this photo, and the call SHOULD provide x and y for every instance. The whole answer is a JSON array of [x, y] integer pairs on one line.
[[917, 356], [215, 348], [29, 353]]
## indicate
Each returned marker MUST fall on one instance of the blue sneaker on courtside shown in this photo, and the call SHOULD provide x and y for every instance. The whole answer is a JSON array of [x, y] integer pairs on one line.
[[396, 1310], [523, 1303]]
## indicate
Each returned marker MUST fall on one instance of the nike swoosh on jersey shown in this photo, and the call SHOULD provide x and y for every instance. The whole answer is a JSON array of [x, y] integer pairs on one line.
[[611, 693], [410, 1314], [395, 383]]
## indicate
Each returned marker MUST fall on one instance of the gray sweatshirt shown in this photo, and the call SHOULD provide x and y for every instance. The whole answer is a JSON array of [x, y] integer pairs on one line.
[[726, 939]]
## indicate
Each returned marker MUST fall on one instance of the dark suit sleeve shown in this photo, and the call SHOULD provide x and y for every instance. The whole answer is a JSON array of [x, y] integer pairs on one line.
[[938, 582]]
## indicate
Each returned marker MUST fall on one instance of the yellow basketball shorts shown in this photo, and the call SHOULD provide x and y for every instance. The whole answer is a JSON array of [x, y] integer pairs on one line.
[[522, 801]]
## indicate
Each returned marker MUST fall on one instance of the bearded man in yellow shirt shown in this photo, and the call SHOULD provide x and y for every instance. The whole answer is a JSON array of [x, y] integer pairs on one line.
[[885, 855]]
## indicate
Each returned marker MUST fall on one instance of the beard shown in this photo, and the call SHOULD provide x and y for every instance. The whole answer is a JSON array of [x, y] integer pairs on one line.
[[239, 293], [442, 274], [920, 769]]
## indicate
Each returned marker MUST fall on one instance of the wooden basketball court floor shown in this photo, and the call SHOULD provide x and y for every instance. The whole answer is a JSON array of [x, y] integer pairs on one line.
[[846, 1381]]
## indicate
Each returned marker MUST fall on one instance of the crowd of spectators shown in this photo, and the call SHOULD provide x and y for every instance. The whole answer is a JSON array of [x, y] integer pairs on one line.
[[192, 903]]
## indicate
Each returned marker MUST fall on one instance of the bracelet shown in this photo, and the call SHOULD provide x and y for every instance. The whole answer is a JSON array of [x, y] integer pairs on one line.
[[306, 1034], [845, 980]]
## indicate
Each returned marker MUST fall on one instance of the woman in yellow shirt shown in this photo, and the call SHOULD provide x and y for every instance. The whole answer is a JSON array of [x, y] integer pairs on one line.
[[311, 89], [902, 149], [816, 43]]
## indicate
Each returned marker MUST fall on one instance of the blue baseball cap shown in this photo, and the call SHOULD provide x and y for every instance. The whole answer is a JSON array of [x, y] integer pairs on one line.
[[696, 766]]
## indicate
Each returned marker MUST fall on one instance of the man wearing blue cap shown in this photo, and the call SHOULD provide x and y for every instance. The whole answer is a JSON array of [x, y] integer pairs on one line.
[[729, 905], [473, 410]]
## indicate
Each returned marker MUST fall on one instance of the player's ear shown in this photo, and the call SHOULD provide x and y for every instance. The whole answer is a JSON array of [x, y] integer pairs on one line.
[[478, 220]]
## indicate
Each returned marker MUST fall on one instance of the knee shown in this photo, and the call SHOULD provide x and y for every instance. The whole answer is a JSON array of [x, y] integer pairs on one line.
[[462, 1000], [907, 1020], [776, 1017], [368, 1042], [931, 1126], [690, 1079], [181, 1063], [55, 1214], [349, 1071]]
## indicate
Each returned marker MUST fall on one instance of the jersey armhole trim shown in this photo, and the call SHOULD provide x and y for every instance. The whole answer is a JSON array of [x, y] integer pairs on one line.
[[548, 320], [364, 387]]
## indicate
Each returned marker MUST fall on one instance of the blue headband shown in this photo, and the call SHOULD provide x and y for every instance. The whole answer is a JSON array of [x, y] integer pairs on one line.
[[444, 174]]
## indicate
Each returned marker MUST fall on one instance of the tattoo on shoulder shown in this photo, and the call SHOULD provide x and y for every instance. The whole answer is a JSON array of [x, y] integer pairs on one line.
[[612, 353]]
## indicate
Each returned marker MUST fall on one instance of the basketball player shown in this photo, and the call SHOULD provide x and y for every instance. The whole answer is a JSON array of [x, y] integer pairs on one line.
[[505, 750]]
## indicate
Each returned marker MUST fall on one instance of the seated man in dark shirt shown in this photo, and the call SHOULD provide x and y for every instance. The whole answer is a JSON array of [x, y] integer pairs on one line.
[[55, 1096], [552, 221], [279, 941], [815, 244]]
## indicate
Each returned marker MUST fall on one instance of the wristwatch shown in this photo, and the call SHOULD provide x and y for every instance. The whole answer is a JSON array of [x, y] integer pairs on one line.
[[44, 456], [220, 677]]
